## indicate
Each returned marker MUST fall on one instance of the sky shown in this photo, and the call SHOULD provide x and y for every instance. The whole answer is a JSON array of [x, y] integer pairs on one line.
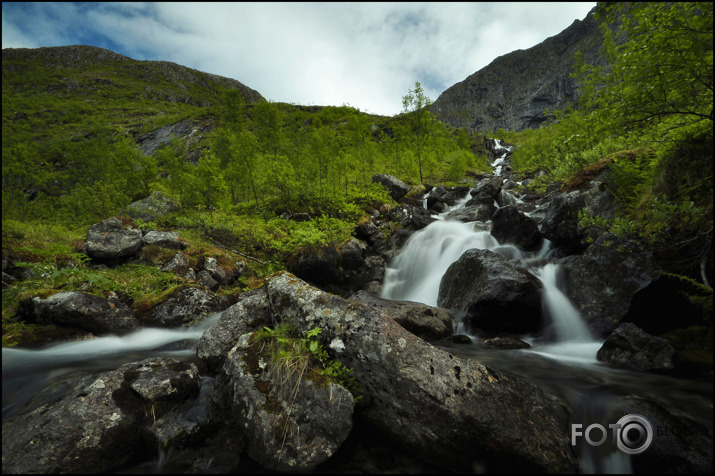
[[365, 55]]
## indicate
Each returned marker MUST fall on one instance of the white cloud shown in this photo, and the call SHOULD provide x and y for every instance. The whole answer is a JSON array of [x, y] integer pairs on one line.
[[365, 54]]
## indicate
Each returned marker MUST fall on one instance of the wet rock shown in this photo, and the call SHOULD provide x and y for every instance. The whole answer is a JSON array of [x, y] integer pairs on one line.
[[506, 342], [680, 444], [292, 423], [560, 223], [111, 239], [444, 409], [249, 314], [603, 281], [509, 225], [319, 265], [498, 294], [427, 322], [96, 425], [410, 217], [84, 311], [395, 186], [629, 347], [487, 188], [478, 212], [186, 304], [352, 253]]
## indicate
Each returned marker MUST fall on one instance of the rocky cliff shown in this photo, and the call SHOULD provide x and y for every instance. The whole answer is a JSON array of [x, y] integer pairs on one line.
[[515, 90]]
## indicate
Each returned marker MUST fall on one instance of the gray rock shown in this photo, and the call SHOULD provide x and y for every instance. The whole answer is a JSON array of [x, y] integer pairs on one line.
[[164, 239], [179, 264], [506, 342], [247, 315], [156, 205], [395, 186], [498, 294], [488, 187], [444, 409], [111, 239], [186, 304], [478, 212], [426, 322], [96, 424], [292, 423], [352, 253], [509, 225], [629, 347], [603, 281], [560, 223], [84, 311]]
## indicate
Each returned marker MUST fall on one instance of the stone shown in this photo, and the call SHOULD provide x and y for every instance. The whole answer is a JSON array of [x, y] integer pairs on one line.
[[84, 311], [629, 347], [110, 239], [291, 422], [445, 410], [395, 186], [498, 294]]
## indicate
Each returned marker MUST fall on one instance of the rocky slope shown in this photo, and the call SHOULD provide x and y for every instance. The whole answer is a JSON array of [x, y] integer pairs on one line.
[[515, 90]]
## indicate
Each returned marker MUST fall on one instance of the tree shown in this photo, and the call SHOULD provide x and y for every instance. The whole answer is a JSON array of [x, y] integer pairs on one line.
[[421, 122], [660, 68]]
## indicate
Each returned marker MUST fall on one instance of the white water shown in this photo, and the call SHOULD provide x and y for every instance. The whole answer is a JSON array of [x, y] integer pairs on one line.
[[415, 275]]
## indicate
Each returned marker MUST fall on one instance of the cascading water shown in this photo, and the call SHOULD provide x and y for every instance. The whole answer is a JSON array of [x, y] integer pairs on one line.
[[415, 274]]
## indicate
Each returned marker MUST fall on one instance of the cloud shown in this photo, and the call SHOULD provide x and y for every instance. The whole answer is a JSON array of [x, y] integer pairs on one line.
[[363, 54]]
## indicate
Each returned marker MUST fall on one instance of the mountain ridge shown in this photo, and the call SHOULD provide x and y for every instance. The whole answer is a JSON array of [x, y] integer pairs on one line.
[[515, 90]]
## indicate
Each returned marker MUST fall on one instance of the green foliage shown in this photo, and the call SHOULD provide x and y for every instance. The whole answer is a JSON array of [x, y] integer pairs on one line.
[[661, 65], [289, 350]]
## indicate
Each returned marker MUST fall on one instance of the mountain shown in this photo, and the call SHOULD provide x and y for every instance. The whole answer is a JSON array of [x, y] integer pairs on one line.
[[515, 90], [160, 79]]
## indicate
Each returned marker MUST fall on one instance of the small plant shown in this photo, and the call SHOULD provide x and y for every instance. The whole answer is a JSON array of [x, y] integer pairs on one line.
[[290, 351]]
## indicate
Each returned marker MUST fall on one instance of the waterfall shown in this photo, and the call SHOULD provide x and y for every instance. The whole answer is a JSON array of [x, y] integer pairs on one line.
[[416, 272], [568, 325]]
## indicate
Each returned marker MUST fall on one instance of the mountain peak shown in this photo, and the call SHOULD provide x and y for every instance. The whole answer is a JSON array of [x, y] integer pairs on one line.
[[515, 90]]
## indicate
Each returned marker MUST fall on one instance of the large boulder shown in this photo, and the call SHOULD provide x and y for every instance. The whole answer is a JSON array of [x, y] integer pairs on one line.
[[292, 422], [395, 186], [452, 412], [629, 347], [95, 424], [560, 223], [111, 239], [603, 281], [183, 305], [82, 310], [498, 294], [250, 313], [509, 225], [427, 322], [488, 187], [319, 265]]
